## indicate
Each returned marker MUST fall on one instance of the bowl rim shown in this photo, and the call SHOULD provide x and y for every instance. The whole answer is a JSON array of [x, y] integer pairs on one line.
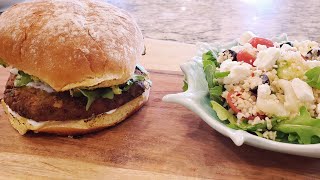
[[198, 91]]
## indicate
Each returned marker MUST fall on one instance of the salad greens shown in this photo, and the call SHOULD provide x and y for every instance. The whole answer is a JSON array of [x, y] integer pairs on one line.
[[221, 74], [222, 113], [108, 92], [313, 76], [185, 85], [95, 94], [210, 64], [91, 96], [302, 129], [22, 79]]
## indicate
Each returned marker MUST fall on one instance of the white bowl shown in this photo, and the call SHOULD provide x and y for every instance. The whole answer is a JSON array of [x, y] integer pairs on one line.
[[4, 4], [196, 99]]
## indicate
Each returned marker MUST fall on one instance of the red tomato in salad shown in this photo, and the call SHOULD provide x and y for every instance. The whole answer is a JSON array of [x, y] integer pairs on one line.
[[262, 41], [245, 56], [230, 103], [236, 110]]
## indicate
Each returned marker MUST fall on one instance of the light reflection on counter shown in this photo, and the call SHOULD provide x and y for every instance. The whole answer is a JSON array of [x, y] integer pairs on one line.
[[222, 20]]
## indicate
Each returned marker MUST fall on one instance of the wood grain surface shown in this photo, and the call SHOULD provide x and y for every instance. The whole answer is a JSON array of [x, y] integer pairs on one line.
[[161, 140]]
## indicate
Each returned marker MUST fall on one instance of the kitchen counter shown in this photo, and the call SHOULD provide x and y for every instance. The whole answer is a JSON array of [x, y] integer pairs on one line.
[[191, 21]]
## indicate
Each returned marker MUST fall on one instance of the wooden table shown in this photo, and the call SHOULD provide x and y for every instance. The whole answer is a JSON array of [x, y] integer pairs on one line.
[[161, 141]]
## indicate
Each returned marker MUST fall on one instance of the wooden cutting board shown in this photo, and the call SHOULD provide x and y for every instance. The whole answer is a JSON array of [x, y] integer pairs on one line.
[[161, 141]]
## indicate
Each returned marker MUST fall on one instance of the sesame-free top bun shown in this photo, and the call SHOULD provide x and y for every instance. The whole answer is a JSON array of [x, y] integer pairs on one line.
[[71, 43]]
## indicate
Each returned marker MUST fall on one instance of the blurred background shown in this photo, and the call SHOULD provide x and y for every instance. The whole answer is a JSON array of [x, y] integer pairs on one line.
[[192, 21]]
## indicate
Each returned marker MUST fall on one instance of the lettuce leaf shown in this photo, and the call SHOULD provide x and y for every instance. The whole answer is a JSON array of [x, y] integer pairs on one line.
[[128, 85], [209, 57], [210, 65], [260, 127], [221, 74], [137, 77], [22, 79], [215, 94], [185, 85], [116, 90], [313, 76], [303, 128], [108, 93], [91, 96], [222, 113], [209, 71]]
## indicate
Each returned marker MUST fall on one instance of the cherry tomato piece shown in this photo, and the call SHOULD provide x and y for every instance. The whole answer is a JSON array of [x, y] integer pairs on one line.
[[262, 41], [245, 56], [230, 103]]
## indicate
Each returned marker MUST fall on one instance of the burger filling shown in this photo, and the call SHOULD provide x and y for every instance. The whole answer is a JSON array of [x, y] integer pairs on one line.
[[33, 99]]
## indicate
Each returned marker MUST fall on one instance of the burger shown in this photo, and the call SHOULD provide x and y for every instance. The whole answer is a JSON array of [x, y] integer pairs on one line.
[[73, 66]]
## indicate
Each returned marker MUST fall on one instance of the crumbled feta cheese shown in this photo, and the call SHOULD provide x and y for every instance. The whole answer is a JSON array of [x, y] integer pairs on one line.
[[312, 64], [228, 64], [266, 59], [250, 49], [247, 47], [238, 71], [302, 90], [291, 56], [287, 47], [268, 103], [237, 48], [246, 37], [264, 90], [305, 46], [256, 120], [261, 47], [291, 102]]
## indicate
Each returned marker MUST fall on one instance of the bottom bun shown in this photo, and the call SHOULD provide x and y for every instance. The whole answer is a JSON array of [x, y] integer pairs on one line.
[[76, 127]]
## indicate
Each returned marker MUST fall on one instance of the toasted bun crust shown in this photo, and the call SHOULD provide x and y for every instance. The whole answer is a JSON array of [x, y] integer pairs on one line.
[[76, 127], [69, 43]]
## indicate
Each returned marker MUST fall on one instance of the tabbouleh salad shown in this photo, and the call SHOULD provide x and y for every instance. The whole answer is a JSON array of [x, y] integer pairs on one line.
[[270, 89]]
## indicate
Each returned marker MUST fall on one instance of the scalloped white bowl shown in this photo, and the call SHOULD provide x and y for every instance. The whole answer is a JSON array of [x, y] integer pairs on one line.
[[196, 99]]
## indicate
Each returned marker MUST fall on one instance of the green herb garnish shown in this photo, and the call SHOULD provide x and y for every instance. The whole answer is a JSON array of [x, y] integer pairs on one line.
[[313, 76]]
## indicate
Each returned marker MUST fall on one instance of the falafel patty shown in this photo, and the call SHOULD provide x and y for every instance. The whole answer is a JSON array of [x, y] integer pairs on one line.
[[39, 105]]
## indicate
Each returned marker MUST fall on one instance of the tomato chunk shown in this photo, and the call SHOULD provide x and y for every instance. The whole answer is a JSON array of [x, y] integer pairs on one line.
[[230, 103], [245, 56], [262, 41], [236, 110]]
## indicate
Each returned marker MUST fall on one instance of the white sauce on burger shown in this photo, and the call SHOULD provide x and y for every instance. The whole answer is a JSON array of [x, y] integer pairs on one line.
[[42, 86]]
